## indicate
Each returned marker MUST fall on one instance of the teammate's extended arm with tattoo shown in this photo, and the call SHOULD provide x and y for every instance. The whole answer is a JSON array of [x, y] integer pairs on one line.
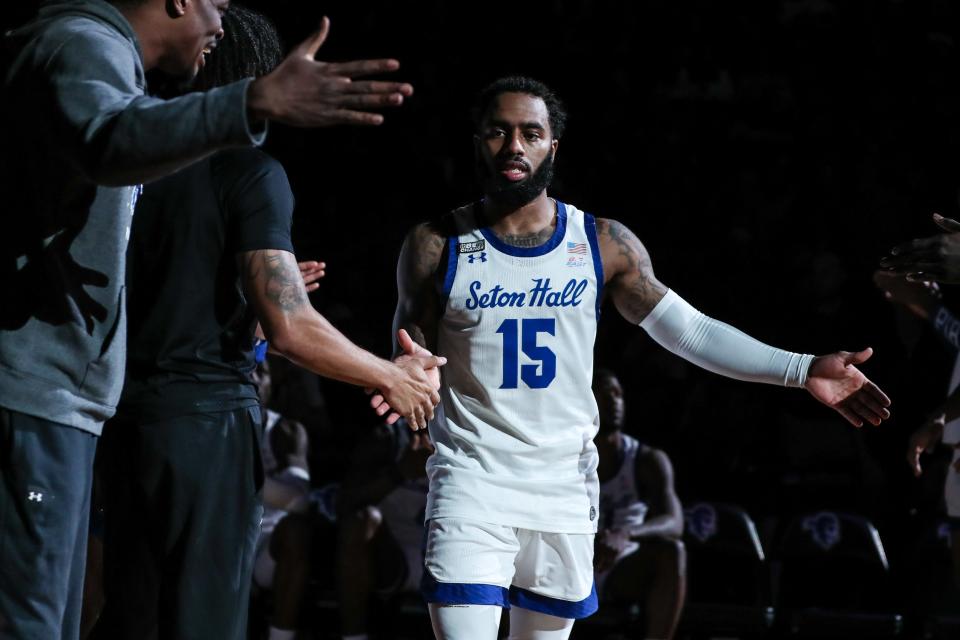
[[832, 379], [275, 287]]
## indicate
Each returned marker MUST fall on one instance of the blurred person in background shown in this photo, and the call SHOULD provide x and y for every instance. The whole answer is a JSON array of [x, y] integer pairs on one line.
[[638, 556], [381, 509]]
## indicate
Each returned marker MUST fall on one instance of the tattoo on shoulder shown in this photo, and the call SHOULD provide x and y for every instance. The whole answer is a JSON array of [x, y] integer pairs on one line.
[[640, 287], [429, 248], [626, 243], [282, 282]]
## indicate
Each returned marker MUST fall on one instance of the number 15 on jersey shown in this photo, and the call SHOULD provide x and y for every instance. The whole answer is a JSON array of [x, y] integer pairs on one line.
[[523, 335]]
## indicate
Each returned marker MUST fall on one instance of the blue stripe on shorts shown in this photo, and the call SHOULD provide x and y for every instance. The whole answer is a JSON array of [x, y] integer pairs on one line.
[[462, 593], [553, 606]]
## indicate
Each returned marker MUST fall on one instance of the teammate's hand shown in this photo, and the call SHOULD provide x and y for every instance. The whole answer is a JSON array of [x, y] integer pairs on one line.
[[305, 92], [935, 258], [410, 348], [923, 440], [311, 271], [421, 367], [836, 382], [920, 297]]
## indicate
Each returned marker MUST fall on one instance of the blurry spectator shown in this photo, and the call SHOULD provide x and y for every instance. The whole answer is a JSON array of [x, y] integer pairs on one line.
[[943, 423], [638, 555], [382, 504], [282, 560]]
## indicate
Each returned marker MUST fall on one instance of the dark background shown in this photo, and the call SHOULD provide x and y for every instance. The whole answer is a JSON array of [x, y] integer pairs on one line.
[[766, 153]]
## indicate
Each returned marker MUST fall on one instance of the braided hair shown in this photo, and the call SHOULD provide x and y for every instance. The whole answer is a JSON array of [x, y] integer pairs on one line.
[[250, 48]]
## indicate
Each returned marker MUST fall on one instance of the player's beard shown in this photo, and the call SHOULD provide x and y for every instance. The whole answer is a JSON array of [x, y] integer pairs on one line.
[[514, 195]]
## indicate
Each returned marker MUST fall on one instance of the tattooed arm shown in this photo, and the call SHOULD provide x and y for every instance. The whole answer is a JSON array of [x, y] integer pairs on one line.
[[628, 272], [677, 326], [418, 301], [273, 284]]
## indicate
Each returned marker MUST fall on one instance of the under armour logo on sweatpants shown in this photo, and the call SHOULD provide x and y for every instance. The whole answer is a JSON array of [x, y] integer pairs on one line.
[[35, 496]]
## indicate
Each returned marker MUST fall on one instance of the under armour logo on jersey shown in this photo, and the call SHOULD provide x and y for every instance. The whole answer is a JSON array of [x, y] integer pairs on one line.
[[35, 496], [473, 258]]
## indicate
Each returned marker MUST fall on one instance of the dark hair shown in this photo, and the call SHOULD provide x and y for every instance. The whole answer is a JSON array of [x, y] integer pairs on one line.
[[601, 373], [250, 48], [520, 84]]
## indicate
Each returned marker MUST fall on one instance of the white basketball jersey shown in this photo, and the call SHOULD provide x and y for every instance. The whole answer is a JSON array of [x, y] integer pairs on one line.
[[620, 505], [514, 433]]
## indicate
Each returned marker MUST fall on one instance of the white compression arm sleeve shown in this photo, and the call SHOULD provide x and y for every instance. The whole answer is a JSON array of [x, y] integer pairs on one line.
[[720, 348]]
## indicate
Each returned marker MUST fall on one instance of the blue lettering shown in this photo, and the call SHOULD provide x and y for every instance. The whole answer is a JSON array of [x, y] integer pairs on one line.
[[572, 293], [543, 295], [539, 291], [495, 297], [473, 303]]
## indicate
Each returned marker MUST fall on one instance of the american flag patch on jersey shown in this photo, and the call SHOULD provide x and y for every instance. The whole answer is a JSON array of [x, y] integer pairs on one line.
[[576, 247]]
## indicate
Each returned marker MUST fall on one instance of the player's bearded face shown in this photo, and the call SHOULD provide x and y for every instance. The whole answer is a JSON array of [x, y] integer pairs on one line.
[[513, 193]]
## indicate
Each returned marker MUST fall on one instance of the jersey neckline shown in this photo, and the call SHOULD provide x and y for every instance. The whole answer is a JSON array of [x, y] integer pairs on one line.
[[531, 252]]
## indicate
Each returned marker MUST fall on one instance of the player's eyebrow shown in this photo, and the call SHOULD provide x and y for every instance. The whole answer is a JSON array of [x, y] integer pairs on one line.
[[503, 124]]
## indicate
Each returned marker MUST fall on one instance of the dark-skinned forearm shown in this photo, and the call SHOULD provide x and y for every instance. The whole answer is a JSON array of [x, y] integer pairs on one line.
[[666, 526], [310, 341]]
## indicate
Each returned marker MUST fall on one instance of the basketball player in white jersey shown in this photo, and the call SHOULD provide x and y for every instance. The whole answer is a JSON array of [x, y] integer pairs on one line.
[[638, 552], [509, 290]]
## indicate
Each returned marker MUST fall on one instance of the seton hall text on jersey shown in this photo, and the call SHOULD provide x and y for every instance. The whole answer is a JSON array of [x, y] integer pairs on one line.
[[541, 295]]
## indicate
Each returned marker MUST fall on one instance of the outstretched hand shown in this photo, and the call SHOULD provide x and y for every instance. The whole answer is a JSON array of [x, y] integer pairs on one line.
[[835, 381], [935, 258], [413, 353], [305, 92]]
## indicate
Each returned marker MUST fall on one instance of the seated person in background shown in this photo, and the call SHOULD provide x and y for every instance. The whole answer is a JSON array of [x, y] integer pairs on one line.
[[923, 299], [381, 509], [638, 553], [282, 559]]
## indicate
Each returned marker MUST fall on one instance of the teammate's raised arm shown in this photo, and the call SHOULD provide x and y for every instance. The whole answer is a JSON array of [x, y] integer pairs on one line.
[[306, 92]]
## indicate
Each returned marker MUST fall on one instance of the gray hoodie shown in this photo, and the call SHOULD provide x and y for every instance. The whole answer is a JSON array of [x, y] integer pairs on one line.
[[80, 137]]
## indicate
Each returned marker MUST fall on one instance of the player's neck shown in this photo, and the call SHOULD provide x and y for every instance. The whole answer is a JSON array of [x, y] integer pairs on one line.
[[143, 24], [527, 220]]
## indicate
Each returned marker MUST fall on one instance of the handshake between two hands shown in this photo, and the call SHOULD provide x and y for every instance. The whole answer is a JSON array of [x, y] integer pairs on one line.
[[417, 393]]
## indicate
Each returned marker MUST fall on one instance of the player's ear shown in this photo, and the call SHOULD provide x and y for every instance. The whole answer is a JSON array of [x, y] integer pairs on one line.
[[554, 144], [176, 8]]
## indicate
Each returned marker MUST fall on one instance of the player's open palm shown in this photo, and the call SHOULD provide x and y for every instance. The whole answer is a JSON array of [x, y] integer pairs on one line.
[[835, 381], [305, 92]]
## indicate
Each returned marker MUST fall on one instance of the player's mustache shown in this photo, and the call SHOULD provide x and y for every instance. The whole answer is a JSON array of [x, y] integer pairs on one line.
[[514, 163]]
